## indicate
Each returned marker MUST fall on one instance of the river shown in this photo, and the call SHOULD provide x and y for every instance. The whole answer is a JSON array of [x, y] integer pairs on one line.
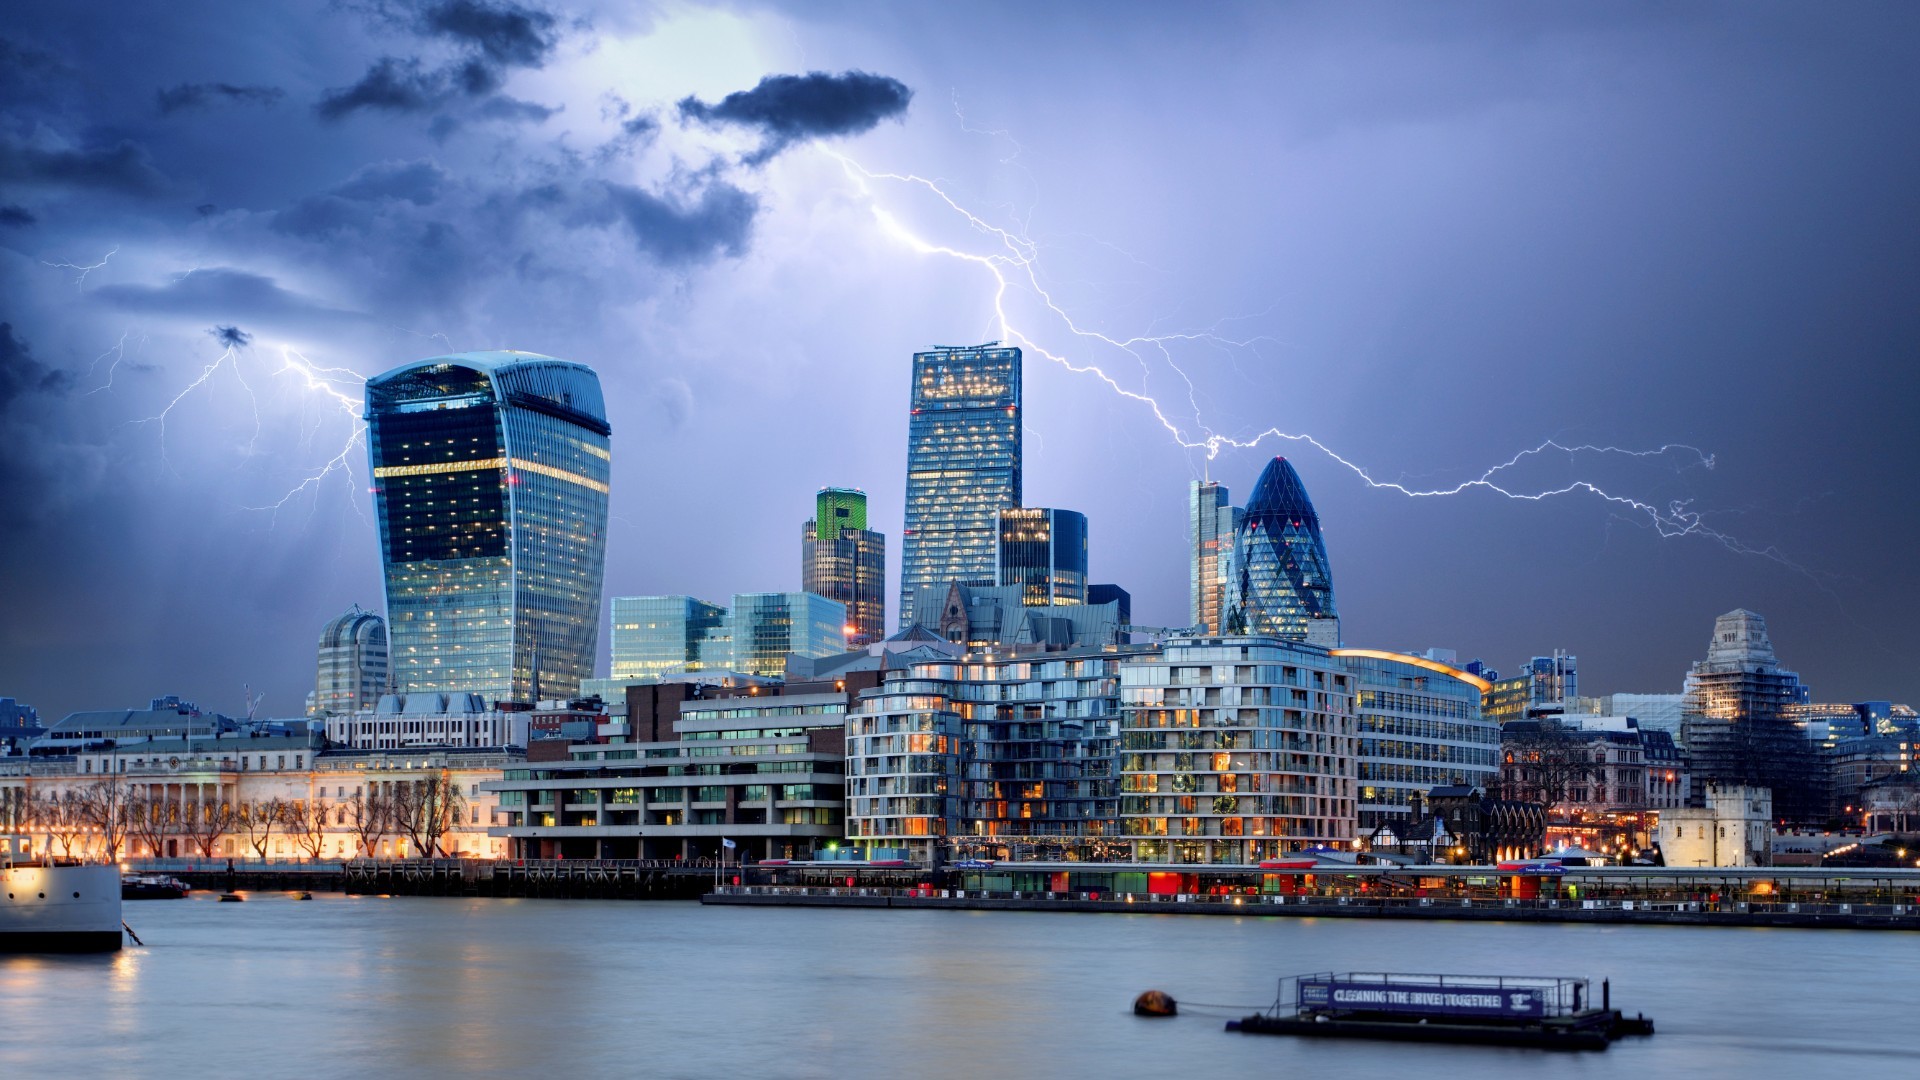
[[567, 989]]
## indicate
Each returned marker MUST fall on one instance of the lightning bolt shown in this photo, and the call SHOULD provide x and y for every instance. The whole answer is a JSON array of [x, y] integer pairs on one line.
[[80, 278], [324, 382], [1012, 261], [338, 388], [230, 355]]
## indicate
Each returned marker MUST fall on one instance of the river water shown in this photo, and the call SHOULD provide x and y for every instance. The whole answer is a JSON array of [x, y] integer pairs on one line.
[[564, 990]]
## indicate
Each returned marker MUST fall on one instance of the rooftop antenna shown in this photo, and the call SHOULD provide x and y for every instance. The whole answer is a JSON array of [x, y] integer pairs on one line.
[[252, 699]]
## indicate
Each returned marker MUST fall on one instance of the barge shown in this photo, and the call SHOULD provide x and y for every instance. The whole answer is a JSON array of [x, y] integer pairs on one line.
[[1486, 1010]]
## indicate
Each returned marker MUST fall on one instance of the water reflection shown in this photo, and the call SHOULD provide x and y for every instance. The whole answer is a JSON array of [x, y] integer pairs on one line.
[[365, 986]]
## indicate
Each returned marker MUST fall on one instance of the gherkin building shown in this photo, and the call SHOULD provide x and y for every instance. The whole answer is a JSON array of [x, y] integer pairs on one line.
[[1282, 583]]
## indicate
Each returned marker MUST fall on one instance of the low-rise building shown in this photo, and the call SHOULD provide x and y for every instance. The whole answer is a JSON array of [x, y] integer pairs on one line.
[[1734, 828], [765, 770], [265, 797], [403, 721]]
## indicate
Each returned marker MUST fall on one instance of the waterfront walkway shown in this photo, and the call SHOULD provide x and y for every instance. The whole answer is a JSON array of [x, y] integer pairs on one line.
[[1722, 912]]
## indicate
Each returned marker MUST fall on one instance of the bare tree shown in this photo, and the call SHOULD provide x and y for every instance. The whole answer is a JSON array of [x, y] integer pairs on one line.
[[60, 816], [307, 823], [102, 806], [154, 818], [426, 810], [204, 823], [257, 819], [1542, 761], [369, 816]]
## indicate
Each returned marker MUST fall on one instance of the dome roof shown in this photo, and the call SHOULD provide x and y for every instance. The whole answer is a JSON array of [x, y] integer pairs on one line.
[[356, 625]]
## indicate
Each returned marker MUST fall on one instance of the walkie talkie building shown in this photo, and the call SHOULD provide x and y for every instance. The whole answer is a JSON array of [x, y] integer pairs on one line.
[[963, 467], [490, 478]]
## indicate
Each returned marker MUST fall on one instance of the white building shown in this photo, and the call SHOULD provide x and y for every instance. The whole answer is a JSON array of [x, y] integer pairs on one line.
[[277, 798], [401, 721], [1735, 829]]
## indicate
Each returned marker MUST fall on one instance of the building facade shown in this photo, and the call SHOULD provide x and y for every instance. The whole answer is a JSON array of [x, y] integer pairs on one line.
[[1044, 553], [1213, 522], [841, 559], [1419, 727], [768, 626], [1283, 584], [1236, 749], [490, 484], [1554, 679], [1734, 828], [983, 752], [963, 466], [766, 771], [1736, 726], [655, 636], [353, 664], [405, 721], [277, 798]]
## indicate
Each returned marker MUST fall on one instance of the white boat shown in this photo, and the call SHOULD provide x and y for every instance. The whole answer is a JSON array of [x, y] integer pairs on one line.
[[56, 905]]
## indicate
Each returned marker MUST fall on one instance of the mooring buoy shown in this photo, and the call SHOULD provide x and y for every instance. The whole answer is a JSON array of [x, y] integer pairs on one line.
[[1155, 1003]]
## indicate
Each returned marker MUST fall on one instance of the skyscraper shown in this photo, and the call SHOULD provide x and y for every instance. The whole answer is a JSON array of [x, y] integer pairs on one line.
[[1212, 523], [841, 559], [353, 664], [1044, 552], [1282, 587], [490, 478], [963, 466], [1736, 725]]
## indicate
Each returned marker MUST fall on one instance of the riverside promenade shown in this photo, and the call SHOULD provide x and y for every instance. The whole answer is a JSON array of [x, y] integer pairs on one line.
[[1770, 896]]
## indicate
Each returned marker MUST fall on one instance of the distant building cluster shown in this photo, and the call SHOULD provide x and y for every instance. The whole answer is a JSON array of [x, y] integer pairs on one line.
[[1015, 710]]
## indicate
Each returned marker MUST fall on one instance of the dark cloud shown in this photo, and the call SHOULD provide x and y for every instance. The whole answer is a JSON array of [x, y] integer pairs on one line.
[[788, 108], [21, 374], [391, 85], [24, 65], [499, 37], [123, 167], [218, 291], [721, 222], [202, 95], [515, 110], [16, 216], [418, 182], [506, 34], [231, 337]]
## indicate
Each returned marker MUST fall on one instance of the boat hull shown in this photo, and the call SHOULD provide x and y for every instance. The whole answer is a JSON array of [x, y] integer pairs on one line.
[[1579, 1034], [60, 909]]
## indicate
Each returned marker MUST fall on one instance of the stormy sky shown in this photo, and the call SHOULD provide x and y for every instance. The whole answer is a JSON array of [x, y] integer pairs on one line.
[[1431, 237]]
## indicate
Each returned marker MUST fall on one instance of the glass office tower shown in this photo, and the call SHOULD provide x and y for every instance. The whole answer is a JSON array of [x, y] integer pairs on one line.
[[1044, 552], [768, 626], [1212, 522], [666, 635], [490, 481], [963, 466], [1283, 587], [841, 559]]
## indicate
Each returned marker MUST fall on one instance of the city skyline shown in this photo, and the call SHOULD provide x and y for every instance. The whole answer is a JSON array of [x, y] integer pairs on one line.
[[1623, 309]]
